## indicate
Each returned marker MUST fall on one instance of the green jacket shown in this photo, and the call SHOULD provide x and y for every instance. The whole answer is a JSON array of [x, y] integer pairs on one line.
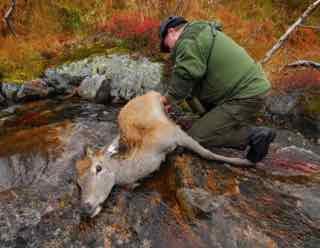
[[211, 66]]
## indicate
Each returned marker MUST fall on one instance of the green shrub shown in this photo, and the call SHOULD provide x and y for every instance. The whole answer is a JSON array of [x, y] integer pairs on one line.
[[71, 19]]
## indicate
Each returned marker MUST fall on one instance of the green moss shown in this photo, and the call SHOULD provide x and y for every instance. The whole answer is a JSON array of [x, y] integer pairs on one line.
[[4, 68], [82, 52], [118, 50], [71, 19], [34, 64], [32, 67], [311, 103]]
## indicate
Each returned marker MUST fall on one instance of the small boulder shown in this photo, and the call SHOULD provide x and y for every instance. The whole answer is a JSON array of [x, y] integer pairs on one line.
[[282, 105], [10, 90], [61, 82], [2, 100], [293, 161], [129, 77], [35, 89], [298, 109], [96, 88]]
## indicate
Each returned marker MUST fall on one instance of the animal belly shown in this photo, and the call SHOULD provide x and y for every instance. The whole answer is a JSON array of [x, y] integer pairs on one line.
[[140, 169]]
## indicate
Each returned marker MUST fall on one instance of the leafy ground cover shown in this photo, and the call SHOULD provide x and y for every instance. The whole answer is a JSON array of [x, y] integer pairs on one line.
[[52, 32]]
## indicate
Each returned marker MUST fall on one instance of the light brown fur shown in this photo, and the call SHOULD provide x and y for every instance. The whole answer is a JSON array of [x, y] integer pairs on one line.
[[146, 136], [137, 123]]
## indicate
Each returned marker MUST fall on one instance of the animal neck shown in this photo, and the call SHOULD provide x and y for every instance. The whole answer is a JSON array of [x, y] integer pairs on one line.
[[137, 166]]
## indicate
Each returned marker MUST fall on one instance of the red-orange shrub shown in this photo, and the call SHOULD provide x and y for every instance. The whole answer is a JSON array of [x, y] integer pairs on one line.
[[304, 39], [140, 32], [299, 79]]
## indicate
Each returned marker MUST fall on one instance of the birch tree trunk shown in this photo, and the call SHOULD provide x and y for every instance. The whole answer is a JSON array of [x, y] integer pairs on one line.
[[7, 16], [285, 36], [305, 63]]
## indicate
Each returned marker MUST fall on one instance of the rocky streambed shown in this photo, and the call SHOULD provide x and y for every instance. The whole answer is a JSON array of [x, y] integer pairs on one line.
[[189, 202]]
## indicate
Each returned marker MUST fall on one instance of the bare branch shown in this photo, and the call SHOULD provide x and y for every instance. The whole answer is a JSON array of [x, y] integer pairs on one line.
[[284, 37], [8, 15], [310, 27], [305, 63]]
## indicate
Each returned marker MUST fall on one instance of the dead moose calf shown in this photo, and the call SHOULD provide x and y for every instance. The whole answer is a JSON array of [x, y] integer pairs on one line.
[[146, 136]]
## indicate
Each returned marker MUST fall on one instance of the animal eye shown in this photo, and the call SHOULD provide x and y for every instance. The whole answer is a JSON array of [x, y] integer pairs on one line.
[[98, 169]]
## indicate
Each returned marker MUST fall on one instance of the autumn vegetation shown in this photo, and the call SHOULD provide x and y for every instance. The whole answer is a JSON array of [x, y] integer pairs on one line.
[[52, 32]]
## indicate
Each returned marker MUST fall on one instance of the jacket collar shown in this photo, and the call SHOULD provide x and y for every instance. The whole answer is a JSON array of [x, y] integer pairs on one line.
[[179, 39]]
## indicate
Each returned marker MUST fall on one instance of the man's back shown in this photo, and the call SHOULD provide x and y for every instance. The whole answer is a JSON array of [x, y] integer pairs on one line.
[[221, 68]]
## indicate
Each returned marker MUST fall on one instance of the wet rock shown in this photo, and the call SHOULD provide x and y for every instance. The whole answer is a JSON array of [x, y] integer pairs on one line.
[[15, 215], [6, 112], [241, 233], [309, 109], [286, 138], [291, 155], [96, 89], [282, 105], [38, 192], [35, 89], [308, 199], [293, 161], [31, 90], [103, 77], [137, 219], [246, 204], [34, 161], [190, 171], [183, 175], [10, 90], [6, 174], [61, 82], [30, 218], [196, 202], [228, 206], [297, 153], [2, 99], [151, 220], [222, 219], [273, 211], [297, 109]]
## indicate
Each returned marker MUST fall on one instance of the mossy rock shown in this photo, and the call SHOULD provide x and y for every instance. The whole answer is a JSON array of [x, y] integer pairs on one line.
[[308, 110], [310, 103]]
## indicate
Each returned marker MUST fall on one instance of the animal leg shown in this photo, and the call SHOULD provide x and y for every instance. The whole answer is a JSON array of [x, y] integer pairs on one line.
[[183, 139]]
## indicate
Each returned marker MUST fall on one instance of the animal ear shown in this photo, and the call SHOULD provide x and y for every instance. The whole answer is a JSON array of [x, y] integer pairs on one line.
[[113, 147], [89, 152]]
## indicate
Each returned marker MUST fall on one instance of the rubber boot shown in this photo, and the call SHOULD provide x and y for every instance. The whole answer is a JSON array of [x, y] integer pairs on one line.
[[259, 142]]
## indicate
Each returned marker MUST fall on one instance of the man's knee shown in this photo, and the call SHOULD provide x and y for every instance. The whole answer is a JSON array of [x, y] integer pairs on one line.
[[232, 137]]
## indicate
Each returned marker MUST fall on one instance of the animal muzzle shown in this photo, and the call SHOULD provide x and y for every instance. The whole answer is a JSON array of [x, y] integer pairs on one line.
[[89, 210]]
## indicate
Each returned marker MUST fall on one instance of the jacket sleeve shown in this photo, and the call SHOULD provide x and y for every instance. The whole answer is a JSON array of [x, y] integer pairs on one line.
[[189, 68]]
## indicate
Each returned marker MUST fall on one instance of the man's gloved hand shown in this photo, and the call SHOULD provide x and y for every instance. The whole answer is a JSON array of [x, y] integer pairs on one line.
[[167, 107], [180, 113]]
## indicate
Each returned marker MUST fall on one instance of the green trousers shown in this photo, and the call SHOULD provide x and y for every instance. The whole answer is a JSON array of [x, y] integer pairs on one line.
[[228, 124]]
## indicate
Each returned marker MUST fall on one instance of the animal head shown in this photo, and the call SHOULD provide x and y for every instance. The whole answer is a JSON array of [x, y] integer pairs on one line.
[[96, 179]]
